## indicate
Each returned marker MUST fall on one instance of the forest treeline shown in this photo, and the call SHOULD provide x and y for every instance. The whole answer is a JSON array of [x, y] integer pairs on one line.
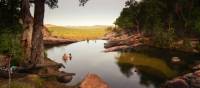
[[10, 29], [149, 16], [164, 20]]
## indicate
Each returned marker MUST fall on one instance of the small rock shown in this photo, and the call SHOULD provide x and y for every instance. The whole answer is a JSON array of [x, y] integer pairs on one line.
[[197, 67], [188, 76], [64, 79], [175, 60], [177, 83], [195, 80], [197, 73], [93, 81]]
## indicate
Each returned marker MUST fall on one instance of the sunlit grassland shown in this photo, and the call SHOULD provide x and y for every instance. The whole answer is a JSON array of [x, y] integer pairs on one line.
[[79, 32]]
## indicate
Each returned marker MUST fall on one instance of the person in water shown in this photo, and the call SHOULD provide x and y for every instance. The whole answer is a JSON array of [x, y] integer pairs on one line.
[[67, 57], [70, 56], [87, 40]]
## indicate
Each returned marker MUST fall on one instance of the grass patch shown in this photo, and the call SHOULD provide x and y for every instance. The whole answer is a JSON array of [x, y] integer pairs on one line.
[[38, 82], [16, 84], [78, 33]]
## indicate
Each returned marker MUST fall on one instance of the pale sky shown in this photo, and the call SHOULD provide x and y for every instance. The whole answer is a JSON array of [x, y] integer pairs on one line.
[[95, 12]]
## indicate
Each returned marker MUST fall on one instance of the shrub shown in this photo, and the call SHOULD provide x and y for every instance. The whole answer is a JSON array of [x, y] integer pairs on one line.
[[164, 39], [10, 44]]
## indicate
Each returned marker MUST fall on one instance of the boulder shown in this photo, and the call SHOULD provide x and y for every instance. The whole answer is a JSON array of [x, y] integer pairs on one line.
[[93, 81], [190, 80], [177, 83], [57, 41], [197, 67], [116, 48], [195, 80], [64, 79]]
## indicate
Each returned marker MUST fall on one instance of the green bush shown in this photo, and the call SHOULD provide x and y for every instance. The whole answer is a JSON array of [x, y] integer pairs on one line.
[[10, 44], [186, 45], [164, 38]]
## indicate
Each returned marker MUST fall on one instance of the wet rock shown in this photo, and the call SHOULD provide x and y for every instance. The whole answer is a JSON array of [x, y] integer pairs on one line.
[[195, 80], [93, 81], [114, 43], [197, 73], [197, 67], [175, 60], [57, 41], [64, 79], [116, 48], [188, 76], [190, 80], [177, 83]]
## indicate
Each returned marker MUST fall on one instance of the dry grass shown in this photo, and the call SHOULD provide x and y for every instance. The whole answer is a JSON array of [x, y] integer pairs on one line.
[[78, 33]]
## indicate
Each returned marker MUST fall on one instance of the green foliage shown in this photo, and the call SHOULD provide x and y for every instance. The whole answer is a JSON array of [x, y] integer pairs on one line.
[[125, 20], [9, 13], [10, 44], [186, 45], [184, 15], [113, 29], [52, 3], [10, 29], [164, 38]]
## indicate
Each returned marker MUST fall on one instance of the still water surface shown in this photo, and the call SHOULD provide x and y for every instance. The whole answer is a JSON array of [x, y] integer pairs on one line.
[[147, 69]]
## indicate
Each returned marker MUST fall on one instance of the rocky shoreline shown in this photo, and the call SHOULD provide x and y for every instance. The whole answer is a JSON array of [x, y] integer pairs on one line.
[[138, 42], [52, 41], [190, 80], [125, 41]]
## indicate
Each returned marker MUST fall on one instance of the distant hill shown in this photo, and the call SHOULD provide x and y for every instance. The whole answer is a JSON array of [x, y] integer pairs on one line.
[[78, 27], [50, 25]]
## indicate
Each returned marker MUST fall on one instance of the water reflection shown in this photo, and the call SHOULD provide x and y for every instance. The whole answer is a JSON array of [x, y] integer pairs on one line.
[[148, 69], [126, 69], [154, 69]]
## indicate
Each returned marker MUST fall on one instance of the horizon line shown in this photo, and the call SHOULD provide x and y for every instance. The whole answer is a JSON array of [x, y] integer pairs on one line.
[[78, 25]]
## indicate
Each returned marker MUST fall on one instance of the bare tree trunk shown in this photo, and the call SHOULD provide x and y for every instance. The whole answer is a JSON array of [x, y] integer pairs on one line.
[[27, 20], [37, 54], [138, 26]]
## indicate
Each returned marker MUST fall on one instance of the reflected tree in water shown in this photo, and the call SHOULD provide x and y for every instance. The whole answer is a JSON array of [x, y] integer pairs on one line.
[[150, 73], [153, 69], [126, 69]]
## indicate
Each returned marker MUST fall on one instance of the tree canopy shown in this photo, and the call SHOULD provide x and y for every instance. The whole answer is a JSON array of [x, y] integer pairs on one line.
[[183, 16], [9, 13]]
